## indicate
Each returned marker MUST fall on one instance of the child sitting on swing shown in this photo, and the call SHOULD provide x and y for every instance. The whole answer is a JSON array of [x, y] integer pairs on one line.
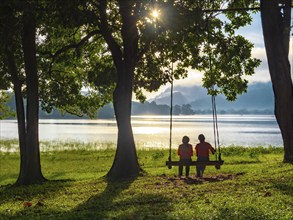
[[185, 153], [202, 150]]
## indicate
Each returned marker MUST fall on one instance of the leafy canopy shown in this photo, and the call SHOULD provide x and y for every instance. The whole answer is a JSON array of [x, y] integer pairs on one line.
[[184, 34], [76, 68]]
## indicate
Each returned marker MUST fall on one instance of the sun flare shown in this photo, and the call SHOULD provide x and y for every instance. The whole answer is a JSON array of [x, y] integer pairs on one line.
[[155, 13]]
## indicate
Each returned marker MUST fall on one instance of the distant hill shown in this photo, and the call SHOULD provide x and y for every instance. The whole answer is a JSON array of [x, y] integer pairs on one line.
[[259, 99], [179, 98], [181, 95], [259, 96]]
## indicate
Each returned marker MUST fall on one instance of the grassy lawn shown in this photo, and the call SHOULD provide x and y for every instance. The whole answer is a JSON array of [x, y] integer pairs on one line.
[[252, 184]]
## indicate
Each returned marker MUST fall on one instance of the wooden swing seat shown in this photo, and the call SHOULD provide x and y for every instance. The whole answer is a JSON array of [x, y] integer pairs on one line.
[[216, 163]]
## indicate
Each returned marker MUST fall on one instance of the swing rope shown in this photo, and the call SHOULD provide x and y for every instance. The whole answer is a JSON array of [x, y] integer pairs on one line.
[[216, 129], [214, 107], [215, 117], [171, 117]]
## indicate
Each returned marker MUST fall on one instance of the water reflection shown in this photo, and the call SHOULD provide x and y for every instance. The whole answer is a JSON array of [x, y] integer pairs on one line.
[[153, 131]]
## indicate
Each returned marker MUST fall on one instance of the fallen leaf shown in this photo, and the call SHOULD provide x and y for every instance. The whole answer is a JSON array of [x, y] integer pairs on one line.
[[27, 204]]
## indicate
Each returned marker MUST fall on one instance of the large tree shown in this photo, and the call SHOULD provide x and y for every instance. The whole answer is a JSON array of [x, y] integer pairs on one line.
[[19, 67], [276, 23], [23, 67], [144, 48]]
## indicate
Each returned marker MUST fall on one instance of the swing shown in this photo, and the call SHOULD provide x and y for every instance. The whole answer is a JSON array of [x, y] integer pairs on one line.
[[218, 161]]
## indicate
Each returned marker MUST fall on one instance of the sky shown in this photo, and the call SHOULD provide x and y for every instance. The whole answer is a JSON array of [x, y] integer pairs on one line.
[[251, 32]]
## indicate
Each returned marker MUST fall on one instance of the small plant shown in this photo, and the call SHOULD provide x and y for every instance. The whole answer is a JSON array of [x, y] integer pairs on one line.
[[157, 155]]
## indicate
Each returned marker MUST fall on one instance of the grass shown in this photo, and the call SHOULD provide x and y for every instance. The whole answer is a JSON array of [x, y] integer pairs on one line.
[[252, 184]]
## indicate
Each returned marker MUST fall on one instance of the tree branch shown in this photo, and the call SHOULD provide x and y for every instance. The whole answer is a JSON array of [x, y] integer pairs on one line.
[[231, 9], [72, 46], [106, 33], [242, 9], [69, 46], [144, 49], [129, 30]]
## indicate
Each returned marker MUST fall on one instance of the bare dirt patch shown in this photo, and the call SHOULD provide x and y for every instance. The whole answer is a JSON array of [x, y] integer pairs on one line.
[[176, 181]]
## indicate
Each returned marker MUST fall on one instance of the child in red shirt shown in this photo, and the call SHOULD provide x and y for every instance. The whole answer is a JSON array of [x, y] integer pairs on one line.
[[203, 150], [185, 153]]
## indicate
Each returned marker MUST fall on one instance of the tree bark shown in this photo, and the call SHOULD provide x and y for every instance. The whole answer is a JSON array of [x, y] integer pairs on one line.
[[30, 171], [125, 163], [276, 31], [17, 84]]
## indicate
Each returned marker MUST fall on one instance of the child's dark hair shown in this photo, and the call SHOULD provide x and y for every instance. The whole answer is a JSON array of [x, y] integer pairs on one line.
[[201, 137], [185, 139]]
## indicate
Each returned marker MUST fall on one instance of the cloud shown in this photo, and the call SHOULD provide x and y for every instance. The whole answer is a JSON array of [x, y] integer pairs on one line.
[[254, 34], [195, 77], [261, 73]]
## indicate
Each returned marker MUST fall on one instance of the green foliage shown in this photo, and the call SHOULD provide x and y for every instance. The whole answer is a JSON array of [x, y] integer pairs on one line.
[[74, 55], [182, 36], [10, 50], [68, 79], [61, 83], [233, 150], [5, 110]]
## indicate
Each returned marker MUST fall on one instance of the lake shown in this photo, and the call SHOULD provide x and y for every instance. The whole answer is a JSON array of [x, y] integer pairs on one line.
[[153, 131]]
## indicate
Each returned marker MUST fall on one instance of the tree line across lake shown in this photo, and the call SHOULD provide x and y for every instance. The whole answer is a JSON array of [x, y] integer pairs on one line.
[[146, 108]]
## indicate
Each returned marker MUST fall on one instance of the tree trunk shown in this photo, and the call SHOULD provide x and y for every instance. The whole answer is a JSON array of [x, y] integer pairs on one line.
[[125, 163], [31, 172], [17, 84], [276, 30], [21, 129]]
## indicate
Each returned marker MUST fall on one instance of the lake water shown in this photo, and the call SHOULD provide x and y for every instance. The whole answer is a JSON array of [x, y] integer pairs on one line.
[[153, 131]]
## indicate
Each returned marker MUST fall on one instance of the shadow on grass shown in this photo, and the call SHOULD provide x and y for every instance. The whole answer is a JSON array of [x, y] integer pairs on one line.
[[10, 191], [22, 196], [242, 162], [284, 187], [285, 181], [196, 180], [115, 202]]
